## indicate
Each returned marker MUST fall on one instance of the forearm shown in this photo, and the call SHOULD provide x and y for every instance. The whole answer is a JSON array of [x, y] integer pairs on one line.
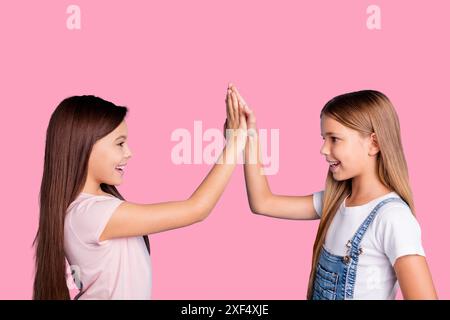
[[213, 185], [258, 190]]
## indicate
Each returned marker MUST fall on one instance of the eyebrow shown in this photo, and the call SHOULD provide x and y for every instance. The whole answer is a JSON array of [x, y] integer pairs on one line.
[[122, 136], [330, 133]]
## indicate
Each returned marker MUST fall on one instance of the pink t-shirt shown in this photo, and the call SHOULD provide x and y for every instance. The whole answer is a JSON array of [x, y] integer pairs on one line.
[[112, 269]]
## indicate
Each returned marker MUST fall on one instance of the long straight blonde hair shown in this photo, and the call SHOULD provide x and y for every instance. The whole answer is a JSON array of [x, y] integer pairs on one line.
[[366, 111]]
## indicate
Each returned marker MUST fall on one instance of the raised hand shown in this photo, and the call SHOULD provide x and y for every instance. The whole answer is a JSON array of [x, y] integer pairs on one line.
[[236, 123], [249, 114]]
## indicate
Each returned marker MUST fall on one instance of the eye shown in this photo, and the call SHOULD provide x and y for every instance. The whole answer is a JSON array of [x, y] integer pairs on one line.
[[333, 139], [120, 144]]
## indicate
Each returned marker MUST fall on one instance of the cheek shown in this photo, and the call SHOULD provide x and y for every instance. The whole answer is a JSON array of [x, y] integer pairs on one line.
[[356, 158], [104, 161], [349, 155], [341, 151], [112, 154], [101, 169]]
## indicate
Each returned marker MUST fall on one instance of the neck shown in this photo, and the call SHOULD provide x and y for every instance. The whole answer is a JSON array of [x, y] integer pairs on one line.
[[92, 187], [366, 188]]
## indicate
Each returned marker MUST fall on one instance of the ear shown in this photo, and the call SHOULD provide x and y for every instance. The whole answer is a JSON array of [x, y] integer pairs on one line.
[[374, 148]]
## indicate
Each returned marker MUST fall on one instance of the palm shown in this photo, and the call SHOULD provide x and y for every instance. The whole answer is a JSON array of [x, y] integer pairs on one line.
[[248, 113]]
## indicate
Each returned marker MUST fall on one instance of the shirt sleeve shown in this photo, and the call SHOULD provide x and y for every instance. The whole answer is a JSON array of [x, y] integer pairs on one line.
[[399, 233], [91, 219], [318, 202]]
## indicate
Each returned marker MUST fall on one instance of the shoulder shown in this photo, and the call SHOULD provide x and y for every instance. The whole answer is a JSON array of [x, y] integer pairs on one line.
[[88, 209], [88, 215], [397, 231], [84, 202], [395, 212]]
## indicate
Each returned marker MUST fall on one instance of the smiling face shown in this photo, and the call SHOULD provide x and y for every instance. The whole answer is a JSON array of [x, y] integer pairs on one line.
[[348, 153], [108, 159]]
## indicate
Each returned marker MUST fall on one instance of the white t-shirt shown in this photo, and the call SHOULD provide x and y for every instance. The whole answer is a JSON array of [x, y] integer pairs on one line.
[[393, 233], [112, 269]]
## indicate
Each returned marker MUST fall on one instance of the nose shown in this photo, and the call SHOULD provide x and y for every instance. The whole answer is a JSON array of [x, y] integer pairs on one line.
[[128, 153], [324, 150]]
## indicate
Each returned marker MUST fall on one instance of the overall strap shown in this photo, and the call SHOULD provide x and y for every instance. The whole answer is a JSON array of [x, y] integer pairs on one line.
[[355, 250], [354, 243]]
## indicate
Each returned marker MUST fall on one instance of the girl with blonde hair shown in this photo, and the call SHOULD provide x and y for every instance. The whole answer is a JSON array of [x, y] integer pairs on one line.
[[368, 241]]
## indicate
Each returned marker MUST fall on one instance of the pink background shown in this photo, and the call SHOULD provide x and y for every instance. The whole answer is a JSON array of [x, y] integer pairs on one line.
[[170, 62]]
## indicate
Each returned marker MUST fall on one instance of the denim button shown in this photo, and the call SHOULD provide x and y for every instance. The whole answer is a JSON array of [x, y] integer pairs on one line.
[[346, 259]]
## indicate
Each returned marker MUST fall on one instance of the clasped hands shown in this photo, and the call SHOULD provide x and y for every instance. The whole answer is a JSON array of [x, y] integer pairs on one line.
[[241, 121]]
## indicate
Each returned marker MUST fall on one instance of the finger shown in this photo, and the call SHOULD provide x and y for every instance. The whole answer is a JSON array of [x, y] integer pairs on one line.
[[227, 101], [251, 118], [247, 110], [242, 121], [241, 108], [238, 95], [230, 113], [235, 106], [241, 112]]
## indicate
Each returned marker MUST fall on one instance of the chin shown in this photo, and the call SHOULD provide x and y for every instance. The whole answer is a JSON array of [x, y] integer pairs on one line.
[[338, 177], [114, 182]]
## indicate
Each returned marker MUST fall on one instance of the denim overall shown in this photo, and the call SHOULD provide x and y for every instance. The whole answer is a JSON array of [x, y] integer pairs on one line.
[[336, 275]]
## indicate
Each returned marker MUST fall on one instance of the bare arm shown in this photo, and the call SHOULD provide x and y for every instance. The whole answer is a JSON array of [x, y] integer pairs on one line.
[[414, 278], [260, 197], [131, 219]]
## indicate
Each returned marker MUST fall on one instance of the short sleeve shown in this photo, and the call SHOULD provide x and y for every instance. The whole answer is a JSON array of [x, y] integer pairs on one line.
[[398, 232], [91, 217], [318, 202]]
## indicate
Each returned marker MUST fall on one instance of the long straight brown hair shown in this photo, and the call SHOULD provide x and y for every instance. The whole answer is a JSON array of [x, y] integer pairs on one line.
[[366, 111], [74, 127]]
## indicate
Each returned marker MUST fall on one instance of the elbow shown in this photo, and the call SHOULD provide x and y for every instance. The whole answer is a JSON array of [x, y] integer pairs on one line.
[[256, 209], [259, 206], [201, 215], [199, 210], [257, 212], [200, 219]]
